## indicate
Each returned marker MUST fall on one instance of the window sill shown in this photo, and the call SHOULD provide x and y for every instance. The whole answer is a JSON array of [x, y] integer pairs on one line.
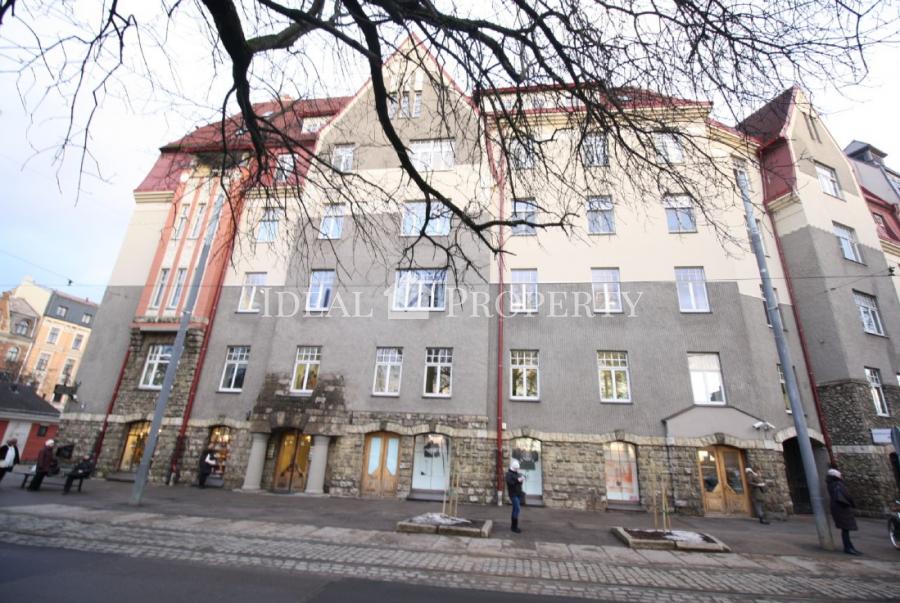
[[523, 234], [247, 311], [300, 393], [316, 311], [601, 234], [681, 232], [438, 396], [427, 234], [618, 402], [522, 312], [395, 309], [709, 403], [228, 391], [695, 311], [147, 388], [259, 242], [321, 238], [855, 261], [838, 197], [518, 399], [599, 312], [385, 395], [882, 335]]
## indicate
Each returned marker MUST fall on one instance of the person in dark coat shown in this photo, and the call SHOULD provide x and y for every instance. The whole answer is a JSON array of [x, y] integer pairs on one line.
[[83, 469], [757, 493], [842, 506], [207, 463], [514, 481], [9, 456], [45, 463]]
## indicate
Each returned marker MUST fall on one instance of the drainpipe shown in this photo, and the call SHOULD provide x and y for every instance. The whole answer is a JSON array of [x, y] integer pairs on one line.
[[98, 444], [804, 348]]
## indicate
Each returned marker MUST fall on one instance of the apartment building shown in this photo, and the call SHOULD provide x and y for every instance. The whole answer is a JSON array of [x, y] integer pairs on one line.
[[326, 356], [18, 324]]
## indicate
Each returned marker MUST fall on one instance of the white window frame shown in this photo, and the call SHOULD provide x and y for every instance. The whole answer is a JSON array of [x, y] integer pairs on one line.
[[614, 363], [524, 209], [601, 218], [873, 376], [430, 286], [784, 391], [77, 341], [762, 238], [177, 288], [42, 363], [12, 354], [706, 375], [53, 335], [868, 313], [198, 221], [668, 147], [848, 242], [432, 155], [267, 227], [86, 318], [387, 359], [161, 285], [308, 356], [158, 357], [777, 307], [342, 157], [62, 311], [679, 206], [437, 361], [285, 167], [67, 371], [414, 218], [523, 291], [828, 180], [607, 281], [594, 150], [525, 361], [521, 155], [22, 327], [237, 356], [248, 302], [182, 220], [332, 225], [321, 290], [690, 287]]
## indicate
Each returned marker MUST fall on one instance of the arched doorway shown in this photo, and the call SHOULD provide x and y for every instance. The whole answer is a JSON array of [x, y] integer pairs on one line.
[[528, 452], [796, 477], [133, 449], [620, 465], [722, 480], [381, 463], [220, 441], [431, 466], [291, 461]]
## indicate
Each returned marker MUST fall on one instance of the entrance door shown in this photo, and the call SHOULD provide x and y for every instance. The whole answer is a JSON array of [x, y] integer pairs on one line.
[[722, 477], [380, 464], [292, 462], [528, 452], [133, 450], [431, 463]]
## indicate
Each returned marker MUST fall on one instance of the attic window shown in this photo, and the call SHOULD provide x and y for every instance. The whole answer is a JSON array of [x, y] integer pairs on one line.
[[811, 126], [312, 124]]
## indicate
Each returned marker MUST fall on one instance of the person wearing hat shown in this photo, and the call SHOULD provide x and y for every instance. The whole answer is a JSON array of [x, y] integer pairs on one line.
[[841, 508], [45, 463], [757, 494], [514, 481], [82, 470], [9, 456]]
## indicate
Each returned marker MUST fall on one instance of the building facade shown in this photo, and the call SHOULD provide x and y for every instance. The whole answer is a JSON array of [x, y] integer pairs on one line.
[[18, 325], [329, 354]]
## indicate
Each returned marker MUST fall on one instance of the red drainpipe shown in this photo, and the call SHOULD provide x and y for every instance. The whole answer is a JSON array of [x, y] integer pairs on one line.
[[800, 334], [98, 444]]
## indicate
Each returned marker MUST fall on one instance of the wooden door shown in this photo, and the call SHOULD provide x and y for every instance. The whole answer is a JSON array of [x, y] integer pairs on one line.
[[722, 480], [381, 464], [292, 462], [133, 450]]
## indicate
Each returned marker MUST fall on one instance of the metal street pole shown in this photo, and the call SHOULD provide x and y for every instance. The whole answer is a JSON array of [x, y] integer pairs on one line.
[[790, 379], [140, 479]]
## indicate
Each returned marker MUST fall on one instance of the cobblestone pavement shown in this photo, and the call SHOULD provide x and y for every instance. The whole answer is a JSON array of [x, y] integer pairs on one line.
[[542, 568]]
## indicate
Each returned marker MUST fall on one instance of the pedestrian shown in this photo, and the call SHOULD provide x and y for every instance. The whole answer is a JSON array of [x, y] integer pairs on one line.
[[9, 456], [514, 481], [83, 469], [757, 494], [842, 506], [207, 463], [45, 464]]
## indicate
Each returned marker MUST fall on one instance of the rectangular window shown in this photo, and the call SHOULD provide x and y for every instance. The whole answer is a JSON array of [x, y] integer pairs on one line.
[[811, 126], [777, 307], [76, 343], [691, 285], [182, 220], [593, 150], [388, 371], [784, 392], [43, 361], [706, 379], [410, 105], [600, 215], [306, 369], [332, 222], [846, 237], [680, 213], [873, 375], [868, 312], [66, 373], [198, 221], [438, 371], [414, 219], [62, 311], [762, 237], [524, 378], [160, 288], [420, 289], [236, 360], [249, 301], [524, 209], [321, 290], [615, 382], [267, 230], [53, 335], [668, 147], [521, 155], [342, 158], [86, 318], [828, 180], [178, 287], [155, 367], [432, 155], [284, 168], [523, 291], [606, 290]]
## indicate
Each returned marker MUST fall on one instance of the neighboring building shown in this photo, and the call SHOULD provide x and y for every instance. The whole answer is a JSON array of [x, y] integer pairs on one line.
[[386, 384], [28, 417], [18, 326], [839, 278]]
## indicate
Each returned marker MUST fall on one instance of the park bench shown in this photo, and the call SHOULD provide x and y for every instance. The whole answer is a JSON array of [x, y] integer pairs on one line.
[[56, 479]]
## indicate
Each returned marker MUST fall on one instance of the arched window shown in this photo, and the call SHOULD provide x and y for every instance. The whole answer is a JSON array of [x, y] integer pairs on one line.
[[12, 354], [620, 459]]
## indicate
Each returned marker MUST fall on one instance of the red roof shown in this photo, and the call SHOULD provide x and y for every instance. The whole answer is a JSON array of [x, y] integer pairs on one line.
[[770, 121]]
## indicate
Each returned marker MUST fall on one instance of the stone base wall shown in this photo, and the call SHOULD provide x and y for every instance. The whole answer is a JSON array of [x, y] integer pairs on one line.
[[770, 465], [870, 479]]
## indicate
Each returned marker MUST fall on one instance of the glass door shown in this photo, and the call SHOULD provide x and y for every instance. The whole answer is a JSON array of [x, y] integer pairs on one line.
[[292, 463], [528, 452], [381, 464], [431, 462], [133, 450]]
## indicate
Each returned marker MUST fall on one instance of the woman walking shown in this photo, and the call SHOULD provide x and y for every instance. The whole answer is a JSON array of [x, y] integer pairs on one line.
[[842, 506], [514, 488]]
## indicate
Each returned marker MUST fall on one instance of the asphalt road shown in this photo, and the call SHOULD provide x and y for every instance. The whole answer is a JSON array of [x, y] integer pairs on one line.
[[38, 575]]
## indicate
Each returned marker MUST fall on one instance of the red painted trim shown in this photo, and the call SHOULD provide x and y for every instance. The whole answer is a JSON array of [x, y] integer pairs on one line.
[[112, 402]]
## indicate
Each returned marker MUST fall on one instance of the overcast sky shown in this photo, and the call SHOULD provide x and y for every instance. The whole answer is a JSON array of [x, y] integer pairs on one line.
[[49, 231]]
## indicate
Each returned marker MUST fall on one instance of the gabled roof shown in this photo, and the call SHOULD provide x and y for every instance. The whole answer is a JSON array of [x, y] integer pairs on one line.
[[770, 121], [20, 306], [22, 399]]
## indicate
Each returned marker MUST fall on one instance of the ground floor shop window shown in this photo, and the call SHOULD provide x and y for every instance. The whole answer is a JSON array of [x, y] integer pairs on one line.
[[133, 450], [620, 459], [431, 462], [528, 452], [220, 442]]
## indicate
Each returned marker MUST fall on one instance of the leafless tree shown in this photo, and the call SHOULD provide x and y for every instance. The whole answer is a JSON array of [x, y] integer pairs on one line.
[[607, 62]]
